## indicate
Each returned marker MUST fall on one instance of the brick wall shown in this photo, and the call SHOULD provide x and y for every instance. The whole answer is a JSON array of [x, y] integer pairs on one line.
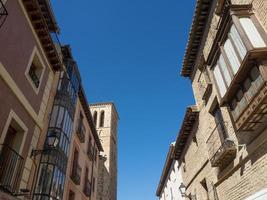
[[246, 174]]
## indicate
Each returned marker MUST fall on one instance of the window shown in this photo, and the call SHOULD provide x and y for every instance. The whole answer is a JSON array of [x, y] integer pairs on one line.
[[219, 79], [11, 162], [220, 124], [102, 118], [93, 184], [233, 51], [252, 32], [184, 165], [95, 118], [35, 71], [232, 55], [3, 12], [71, 195]]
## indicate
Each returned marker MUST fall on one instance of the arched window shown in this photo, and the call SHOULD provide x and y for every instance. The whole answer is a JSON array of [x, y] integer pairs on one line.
[[95, 117], [102, 117]]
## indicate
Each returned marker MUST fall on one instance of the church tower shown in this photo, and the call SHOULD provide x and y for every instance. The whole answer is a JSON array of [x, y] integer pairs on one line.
[[106, 120]]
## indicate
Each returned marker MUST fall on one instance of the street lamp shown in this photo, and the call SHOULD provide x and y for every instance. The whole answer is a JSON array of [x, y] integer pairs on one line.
[[182, 189], [51, 141]]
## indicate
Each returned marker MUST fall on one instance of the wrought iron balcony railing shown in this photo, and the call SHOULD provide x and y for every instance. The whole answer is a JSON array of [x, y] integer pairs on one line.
[[76, 174], [87, 188], [11, 166], [81, 132], [221, 149], [3, 13]]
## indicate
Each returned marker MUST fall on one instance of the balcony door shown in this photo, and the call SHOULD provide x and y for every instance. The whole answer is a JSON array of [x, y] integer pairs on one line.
[[220, 124], [11, 161]]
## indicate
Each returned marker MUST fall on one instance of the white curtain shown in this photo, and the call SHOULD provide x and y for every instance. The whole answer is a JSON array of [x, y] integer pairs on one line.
[[219, 80], [252, 32], [225, 71], [238, 42], [231, 55]]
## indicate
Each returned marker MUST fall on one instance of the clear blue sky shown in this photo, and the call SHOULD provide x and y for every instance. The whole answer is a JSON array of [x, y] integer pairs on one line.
[[130, 52]]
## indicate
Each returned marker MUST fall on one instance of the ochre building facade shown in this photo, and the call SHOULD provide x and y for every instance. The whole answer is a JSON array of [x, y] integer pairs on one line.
[[221, 147]]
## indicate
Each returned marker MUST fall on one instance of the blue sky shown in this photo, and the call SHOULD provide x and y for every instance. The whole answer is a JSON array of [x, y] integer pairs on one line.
[[130, 52]]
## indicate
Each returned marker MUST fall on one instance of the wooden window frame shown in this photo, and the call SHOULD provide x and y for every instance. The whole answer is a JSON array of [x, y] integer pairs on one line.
[[246, 64]]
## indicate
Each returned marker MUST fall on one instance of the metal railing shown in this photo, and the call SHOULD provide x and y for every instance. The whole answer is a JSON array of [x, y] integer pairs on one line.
[[3, 13], [81, 132], [219, 142], [87, 188], [76, 173], [11, 165]]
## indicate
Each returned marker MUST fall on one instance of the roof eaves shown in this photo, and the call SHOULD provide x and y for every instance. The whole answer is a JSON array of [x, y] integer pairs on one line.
[[196, 33], [166, 169], [191, 116]]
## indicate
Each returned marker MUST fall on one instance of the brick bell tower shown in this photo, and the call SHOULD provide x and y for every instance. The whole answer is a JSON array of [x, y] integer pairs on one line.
[[106, 119]]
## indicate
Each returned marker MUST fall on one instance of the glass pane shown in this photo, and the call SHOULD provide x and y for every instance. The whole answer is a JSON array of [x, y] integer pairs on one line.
[[231, 55], [238, 42], [60, 117], [225, 71], [219, 80], [252, 32], [54, 116]]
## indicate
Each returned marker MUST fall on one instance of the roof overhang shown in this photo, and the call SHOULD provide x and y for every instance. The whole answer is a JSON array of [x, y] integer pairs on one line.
[[191, 116], [166, 169], [197, 30], [43, 21]]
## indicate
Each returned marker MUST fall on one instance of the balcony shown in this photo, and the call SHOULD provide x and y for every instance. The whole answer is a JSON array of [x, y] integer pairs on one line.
[[87, 188], [76, 174], [221, 150], [3, 13], [81, 132], [11, 166]]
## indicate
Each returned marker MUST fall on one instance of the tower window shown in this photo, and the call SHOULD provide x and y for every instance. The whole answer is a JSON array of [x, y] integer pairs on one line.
[[95, 117], [102, 117]]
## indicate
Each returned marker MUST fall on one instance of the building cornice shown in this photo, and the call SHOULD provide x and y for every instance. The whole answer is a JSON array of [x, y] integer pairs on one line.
[[197, 30]]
